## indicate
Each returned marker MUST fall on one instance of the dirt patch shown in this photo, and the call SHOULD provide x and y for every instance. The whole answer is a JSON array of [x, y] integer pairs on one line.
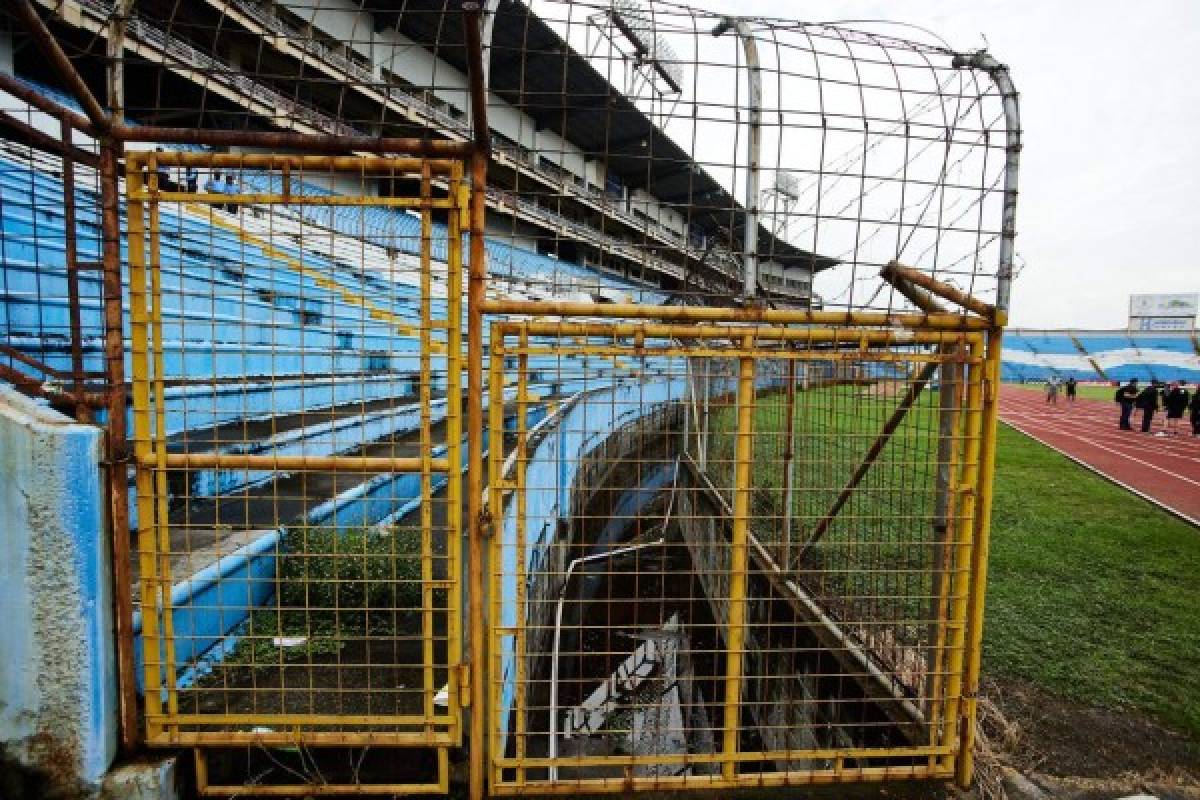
[[1060, 738]]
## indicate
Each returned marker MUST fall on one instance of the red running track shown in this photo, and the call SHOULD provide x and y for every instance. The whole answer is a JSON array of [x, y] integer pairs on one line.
[[1163, 469]]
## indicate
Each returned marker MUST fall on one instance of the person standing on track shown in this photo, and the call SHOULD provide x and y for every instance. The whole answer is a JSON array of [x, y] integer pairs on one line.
[[1147, 401], [1194, 412], [1126, 396], [1052, 390], [1070, 384], [1176, 402]]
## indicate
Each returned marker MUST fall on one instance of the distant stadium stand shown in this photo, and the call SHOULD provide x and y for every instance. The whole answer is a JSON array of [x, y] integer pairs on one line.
[[1037, 355]]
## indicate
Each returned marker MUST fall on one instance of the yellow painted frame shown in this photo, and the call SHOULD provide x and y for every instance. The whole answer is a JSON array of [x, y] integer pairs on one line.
[[958, 630], [164, 723]]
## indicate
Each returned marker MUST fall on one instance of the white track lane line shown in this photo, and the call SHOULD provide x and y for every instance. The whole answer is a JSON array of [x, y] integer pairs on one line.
[[1168, 447], [1110, 450], [1154, 501], [1181, 447]]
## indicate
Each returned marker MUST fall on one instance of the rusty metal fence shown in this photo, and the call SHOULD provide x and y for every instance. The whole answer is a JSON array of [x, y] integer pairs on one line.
[[750, 562], [694, 495]]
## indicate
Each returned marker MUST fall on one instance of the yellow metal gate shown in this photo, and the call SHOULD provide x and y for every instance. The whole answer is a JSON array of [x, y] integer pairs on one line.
[[735, 555], [298, 450]]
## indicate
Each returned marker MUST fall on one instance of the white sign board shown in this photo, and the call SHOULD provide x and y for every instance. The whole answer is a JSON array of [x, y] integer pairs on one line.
[[1161, 324], [1163, 305]]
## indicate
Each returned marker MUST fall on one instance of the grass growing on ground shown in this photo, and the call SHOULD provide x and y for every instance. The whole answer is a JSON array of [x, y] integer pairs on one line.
[[335, 585], [1093, 593], [1088, 391]]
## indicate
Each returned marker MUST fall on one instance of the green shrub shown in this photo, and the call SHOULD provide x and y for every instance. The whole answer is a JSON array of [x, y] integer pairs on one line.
[[333, 586]]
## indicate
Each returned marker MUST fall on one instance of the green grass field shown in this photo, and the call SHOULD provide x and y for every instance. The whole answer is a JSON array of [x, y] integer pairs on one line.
[[1088, 391], [1093, 593]]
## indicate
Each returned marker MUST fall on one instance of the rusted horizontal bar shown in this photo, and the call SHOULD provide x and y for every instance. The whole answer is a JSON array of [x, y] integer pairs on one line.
[[30, 361], [895, 269], [289, 720], [292, 199], [38, 388], [45, 369], [373, 165], [24, 132], [308, 738], [293, 463], [709, 314], [877, 356], [741, 757], [758, 333], [757, 780], [282, 140], [320, 790], [16, 88]]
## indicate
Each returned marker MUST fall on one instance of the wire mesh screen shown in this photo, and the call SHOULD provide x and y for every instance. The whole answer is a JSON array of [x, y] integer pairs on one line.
[[747, 563], [298, 441], [674, 147], [640, 149], [52, 329]]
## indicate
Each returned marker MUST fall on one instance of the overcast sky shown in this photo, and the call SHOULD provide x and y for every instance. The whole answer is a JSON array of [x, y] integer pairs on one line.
[[1110, 172]]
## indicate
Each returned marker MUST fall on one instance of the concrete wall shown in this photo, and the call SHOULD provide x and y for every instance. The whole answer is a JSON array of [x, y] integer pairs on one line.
[[57, 672]]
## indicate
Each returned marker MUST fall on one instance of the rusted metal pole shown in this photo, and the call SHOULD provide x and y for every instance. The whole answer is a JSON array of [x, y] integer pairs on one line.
[[118, 23], [33, 97], [894, 270], [82, 412], [789, 460], [22, 131], [118, 477], [949, 402], [280, 140], [893, 422], [48, 45], [476, 284]]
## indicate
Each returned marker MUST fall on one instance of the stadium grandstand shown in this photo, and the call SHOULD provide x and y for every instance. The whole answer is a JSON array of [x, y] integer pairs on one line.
[[1113, 355], [520, 398]]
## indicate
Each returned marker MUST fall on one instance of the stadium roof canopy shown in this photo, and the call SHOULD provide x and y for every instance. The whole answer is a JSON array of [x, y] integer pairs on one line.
[[534, 69]]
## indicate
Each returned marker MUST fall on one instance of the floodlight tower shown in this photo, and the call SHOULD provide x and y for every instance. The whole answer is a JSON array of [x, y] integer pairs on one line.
[[784, 193], [653, 72]]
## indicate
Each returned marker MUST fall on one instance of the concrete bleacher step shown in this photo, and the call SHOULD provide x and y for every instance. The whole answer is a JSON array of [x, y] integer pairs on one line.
[[201, 525], [251, 430]]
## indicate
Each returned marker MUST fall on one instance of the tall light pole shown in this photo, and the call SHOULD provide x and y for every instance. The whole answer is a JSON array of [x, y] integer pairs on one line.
[[754, 150]]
